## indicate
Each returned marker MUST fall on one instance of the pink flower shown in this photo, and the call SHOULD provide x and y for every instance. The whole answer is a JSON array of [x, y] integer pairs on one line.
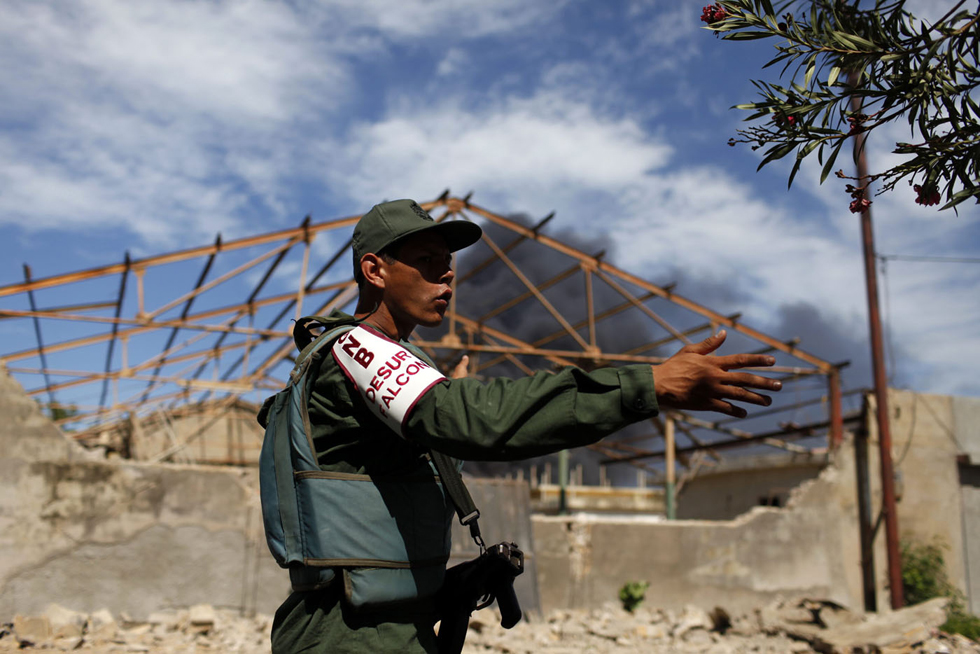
[[787, 122], [713, 14], [860, 205], [927, 196]]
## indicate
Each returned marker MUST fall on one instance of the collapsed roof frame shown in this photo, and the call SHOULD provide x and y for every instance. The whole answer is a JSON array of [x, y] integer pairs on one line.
[[463, 333]]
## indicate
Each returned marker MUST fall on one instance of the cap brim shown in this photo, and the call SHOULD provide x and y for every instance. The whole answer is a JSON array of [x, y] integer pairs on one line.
[[458, 233]]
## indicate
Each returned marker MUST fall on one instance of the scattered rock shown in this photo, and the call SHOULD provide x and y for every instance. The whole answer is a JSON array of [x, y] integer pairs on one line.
[[65, 623], [787, 616], [138, 629], [201, 618], [68, 644], [833, 616], [744, 625], [102, 626], [692, 618], [168, 618], [934, 646], [32, 630], [609, 630], [902, 629], [697, 637]]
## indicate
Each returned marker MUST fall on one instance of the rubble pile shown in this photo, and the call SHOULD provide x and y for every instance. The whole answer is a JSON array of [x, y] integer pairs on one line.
[[201, 628], [782, 627]]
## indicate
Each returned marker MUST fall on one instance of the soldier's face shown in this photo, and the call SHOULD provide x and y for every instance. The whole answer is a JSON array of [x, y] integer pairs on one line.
[[417, 284]]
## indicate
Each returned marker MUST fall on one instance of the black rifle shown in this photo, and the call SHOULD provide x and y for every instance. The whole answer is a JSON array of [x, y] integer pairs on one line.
[[473, 585]]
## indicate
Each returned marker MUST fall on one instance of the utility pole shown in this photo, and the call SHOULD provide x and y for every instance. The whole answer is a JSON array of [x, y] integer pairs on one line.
[[670, 484], [878, 364]]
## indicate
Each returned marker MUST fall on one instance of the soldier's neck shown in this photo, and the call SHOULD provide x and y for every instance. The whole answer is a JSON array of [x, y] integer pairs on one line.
[[381, 319]]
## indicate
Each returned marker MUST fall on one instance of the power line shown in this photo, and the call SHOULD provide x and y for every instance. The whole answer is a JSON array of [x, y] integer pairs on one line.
[[910, 257]]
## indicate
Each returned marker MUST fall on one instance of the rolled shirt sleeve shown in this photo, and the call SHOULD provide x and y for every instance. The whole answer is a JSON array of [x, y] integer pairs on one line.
[[507, 419]]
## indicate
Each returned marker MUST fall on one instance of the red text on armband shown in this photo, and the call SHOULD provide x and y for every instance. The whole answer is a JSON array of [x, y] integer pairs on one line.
[[384, 370]]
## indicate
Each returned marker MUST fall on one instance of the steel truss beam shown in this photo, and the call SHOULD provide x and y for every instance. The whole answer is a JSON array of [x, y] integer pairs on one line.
[[208, 329]]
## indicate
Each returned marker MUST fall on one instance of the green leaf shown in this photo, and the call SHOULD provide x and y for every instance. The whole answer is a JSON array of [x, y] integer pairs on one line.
[[792, 174], [808, 148], [778, 58], [960, 196], [745, 36], [863, 42], [829, 164], [834, 73], [777, 152], [810, 69]]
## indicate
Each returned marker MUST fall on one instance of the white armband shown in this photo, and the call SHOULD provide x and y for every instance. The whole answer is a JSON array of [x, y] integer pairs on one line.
[[389, 377]]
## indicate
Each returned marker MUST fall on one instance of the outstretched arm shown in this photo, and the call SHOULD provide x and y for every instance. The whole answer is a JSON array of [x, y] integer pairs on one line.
[[691, 379]]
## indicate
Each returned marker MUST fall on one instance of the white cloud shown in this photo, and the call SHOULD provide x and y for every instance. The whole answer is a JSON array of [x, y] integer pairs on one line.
[[237, 61], [524, 153], [406, 19], [453, 62], [603, 175], [165, 119], [174, 120]]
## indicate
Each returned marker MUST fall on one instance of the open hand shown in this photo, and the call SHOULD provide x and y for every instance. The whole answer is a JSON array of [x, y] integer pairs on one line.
[[693, 380]]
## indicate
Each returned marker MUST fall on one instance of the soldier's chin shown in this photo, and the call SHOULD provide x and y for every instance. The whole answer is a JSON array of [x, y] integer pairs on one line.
[[433, 320]]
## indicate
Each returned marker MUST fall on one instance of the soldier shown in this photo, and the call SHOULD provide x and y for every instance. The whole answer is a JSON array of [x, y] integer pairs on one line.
[[377, 408]]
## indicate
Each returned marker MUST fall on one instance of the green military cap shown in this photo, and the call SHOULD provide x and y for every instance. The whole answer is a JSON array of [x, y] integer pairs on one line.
[[388, 222]]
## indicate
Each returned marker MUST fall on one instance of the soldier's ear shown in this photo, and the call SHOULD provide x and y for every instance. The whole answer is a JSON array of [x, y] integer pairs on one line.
[[373, 269]]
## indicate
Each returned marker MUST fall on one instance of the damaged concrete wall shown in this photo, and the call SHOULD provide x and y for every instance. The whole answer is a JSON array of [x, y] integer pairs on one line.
[[809, 548], [136, 537], [124, 536], [935, 446], [220, 432], [737, 484], [924, 451]]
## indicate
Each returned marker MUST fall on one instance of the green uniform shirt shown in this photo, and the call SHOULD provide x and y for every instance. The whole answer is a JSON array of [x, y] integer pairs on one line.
[[499, 420]]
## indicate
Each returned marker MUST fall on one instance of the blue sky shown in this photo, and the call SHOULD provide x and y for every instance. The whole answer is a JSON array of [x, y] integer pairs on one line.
[[150, 126]]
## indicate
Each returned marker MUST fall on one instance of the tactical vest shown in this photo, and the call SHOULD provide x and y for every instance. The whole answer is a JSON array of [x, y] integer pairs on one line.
[[388, 537]]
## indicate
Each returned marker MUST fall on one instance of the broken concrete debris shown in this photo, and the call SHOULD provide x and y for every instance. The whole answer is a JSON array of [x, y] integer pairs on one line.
[[781, 627], [199, 628]]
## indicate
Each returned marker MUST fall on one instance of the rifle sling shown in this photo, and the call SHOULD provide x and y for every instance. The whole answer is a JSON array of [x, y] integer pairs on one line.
[[466, 510]]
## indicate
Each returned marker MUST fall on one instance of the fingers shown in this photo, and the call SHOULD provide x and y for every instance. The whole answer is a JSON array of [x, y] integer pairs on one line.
[[745, 361], [748, 380], [727, 408], [708, 345], [742, 395], [462, 368]]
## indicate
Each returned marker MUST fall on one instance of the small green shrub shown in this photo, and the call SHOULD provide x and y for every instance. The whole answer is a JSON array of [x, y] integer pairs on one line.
[[924, 577], [924, 572], [632, 594], [961, 622]]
